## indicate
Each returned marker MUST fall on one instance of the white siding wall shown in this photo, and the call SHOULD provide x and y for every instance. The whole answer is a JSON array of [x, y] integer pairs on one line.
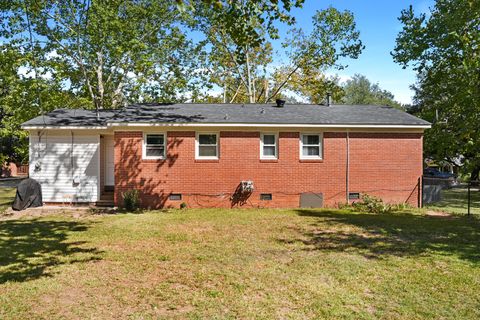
[[65, 175]]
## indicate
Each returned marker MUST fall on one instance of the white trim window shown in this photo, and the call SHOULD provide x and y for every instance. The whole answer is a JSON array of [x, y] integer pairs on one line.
[[311, 146], [154, 145], [206, 145], [268, 146]]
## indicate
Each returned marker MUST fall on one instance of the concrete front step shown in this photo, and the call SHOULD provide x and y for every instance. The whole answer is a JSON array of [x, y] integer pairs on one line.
[[104, 203], [108, 196]]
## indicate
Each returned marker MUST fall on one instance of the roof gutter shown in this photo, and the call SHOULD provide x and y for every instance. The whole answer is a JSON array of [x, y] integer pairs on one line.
[[36, 127], [242, 125], [276, 125]]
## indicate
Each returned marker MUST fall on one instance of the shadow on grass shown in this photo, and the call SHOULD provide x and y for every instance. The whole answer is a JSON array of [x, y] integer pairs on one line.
[[378, 236], [457, 199], [6, 198], [29, 248]]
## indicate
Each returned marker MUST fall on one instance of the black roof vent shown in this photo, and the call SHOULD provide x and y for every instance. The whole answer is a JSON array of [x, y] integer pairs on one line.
[[329, 99], [280, 103]]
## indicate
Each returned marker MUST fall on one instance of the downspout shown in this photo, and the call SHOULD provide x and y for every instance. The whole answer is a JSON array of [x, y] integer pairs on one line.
[[38, 151], [347, 169], [71, 158]]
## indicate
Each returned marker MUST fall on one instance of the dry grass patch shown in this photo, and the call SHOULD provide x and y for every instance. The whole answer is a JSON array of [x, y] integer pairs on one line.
[[240, 264], [6, 198]]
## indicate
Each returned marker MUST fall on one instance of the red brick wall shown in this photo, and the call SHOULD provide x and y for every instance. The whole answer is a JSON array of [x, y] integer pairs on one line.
[[383, 164], [388, 165]]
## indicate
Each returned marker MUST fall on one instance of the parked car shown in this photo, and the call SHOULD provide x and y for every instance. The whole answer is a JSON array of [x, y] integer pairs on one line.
[[442, 178], [435, 173]]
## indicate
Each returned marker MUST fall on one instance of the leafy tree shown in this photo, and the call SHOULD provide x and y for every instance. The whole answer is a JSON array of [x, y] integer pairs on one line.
[[238, 34], [359, 90], [103, 54], [246, 22], [334, 36], [89, 54], [241, 52], [311, 86], [105, 51], [443, 48], [23, 96]]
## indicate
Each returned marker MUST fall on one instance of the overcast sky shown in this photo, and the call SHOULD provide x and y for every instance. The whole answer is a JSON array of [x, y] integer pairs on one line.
[[378, 23]]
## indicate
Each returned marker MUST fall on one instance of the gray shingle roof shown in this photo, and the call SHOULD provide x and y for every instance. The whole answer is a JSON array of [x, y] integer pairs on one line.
[[231, 113]]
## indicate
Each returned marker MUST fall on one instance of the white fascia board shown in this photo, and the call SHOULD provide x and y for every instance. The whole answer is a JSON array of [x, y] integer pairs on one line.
[[227, 125], [267, 125], [63, 128]]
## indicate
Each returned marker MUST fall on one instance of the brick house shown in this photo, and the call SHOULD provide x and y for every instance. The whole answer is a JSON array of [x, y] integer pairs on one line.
[[228, 155]]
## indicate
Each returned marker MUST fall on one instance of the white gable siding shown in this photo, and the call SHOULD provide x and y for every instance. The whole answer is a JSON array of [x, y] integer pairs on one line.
[[65, 175]]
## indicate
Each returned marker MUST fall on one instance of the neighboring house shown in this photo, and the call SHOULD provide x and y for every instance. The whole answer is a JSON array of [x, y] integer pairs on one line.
[[290, 156], [12, 169]]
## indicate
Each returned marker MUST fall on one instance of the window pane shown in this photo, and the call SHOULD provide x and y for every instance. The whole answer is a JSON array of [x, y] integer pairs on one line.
[[207, 151], [311, 151], [154, 151], [207, 139], [155, 139], [269, 151], [269, 139], [311, 139]]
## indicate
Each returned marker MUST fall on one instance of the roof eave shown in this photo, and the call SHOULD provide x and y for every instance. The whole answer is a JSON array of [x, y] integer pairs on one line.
[[277, 125], [47, 127], [280, 125]]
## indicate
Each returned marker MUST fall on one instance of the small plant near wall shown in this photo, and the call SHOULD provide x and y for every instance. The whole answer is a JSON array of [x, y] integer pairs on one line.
[[401, 207], [131, 200], [344, 206], [372, 204], [183, 205]]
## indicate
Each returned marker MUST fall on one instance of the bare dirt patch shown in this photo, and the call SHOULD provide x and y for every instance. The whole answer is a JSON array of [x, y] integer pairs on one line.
[[75, 212], [439, 214]]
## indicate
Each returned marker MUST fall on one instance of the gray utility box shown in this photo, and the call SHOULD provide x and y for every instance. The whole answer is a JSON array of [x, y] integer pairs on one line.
[[311, 200]]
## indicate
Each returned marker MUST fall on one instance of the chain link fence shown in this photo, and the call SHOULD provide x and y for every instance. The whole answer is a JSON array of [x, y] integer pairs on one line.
[[450, 195]]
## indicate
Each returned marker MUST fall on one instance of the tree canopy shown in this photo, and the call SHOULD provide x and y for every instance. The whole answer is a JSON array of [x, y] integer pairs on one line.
[[104, 54], [359, 90], [443, 47], [243, 65]]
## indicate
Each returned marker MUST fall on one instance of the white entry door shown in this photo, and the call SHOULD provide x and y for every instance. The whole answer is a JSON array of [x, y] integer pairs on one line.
[[109, 161]]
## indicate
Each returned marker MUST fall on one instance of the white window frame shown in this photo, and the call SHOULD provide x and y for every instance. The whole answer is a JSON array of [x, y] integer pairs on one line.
[[320, 145], [262, 156], [197, 146], [144, 146]]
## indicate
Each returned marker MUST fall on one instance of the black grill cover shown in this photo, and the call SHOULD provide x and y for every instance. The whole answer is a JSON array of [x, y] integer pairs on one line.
[[29, 195]]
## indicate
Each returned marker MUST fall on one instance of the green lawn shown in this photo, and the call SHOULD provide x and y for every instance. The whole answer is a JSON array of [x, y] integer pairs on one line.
[[455, 201], [228, 264], [6, 198]]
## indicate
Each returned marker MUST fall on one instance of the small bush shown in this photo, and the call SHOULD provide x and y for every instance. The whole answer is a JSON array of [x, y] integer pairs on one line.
[[401, 206], [344, 206], [183, 205], [372, 204], [131, 200]]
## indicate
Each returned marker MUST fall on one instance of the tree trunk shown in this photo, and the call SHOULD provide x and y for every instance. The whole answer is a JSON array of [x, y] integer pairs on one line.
[[224, 89], [117, 95], [282, 84], [267, 91], [475, 173], [101, 90], [249, 79]]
